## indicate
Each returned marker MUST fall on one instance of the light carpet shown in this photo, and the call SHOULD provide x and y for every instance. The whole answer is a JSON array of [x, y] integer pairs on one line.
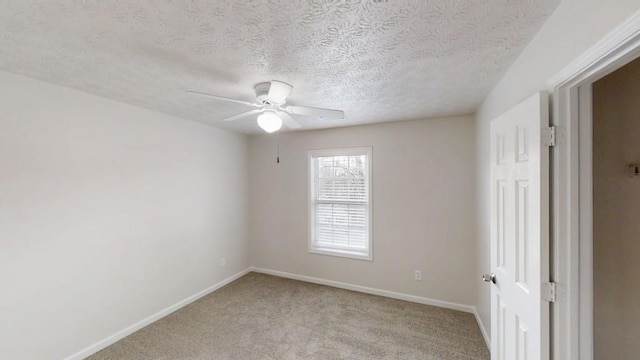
[[266, 317]]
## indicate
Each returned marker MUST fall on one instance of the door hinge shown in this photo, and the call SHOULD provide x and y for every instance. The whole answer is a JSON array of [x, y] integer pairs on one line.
[[549, 136], [553, 135], [549, 292]]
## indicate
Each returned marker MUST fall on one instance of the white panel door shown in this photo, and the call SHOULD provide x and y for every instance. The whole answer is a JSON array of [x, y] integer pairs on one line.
[[520, 232]]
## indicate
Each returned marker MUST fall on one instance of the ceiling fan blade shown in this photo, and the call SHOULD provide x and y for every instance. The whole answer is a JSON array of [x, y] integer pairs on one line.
[[289, 121], [278, 92], [316, 112], [244, 114], [224, 98]]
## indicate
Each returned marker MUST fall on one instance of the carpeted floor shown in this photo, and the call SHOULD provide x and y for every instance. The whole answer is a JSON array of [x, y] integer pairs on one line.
[[265, 317]]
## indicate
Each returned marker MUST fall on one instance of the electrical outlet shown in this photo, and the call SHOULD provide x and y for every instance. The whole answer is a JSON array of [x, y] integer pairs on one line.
[[418, 275], [223, 262]]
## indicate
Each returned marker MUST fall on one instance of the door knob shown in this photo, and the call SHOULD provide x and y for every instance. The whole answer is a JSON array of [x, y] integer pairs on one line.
[[489, 278]]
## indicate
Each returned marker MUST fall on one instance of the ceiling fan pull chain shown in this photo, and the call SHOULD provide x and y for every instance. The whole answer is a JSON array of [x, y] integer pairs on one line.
[[278, 151]]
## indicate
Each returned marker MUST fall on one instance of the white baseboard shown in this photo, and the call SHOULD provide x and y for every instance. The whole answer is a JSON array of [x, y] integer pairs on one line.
[[92, 349], [368, 290], [486, 337]]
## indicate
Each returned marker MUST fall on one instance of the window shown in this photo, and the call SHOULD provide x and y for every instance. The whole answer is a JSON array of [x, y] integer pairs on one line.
[[340, 202]]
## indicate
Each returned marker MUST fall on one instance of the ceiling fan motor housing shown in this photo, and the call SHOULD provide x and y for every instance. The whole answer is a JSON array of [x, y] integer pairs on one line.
[[262, 92]]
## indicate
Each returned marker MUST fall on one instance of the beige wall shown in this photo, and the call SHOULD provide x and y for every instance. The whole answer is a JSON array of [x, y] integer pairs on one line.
[[616, 214], [423, 207], [109, 213], [572, 29]]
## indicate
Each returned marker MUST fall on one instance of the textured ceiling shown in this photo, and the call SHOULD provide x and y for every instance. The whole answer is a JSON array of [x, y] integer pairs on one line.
[[378, 61]]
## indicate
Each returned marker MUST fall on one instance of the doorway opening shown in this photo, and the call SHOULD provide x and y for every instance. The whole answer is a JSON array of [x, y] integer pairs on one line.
[[616, 213], [582, 171]]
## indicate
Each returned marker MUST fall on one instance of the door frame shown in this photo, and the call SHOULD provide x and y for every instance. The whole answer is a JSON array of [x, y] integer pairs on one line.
[[571, 250]]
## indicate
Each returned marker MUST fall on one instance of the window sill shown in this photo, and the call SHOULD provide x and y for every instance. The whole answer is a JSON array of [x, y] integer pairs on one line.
[[341, 253]]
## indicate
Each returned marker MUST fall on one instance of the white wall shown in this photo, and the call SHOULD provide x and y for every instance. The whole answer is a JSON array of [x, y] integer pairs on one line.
[[575, 26], [108, 214], [616, 210], [423, 207]]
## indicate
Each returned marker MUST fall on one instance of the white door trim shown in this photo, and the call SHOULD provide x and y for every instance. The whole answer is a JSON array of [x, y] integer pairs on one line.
[[572, 254], [615, 47]]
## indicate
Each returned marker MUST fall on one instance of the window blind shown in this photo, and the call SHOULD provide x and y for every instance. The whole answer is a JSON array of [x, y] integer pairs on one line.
[[340, 203]]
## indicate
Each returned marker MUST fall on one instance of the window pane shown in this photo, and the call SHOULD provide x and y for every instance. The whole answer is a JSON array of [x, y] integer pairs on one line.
[[341, 178], [341, 225]]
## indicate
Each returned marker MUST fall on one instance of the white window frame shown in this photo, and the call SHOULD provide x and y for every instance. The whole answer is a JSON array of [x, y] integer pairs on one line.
[[354, 151]]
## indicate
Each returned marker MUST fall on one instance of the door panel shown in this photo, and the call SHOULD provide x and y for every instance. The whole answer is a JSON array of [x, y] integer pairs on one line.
[[519, 231]]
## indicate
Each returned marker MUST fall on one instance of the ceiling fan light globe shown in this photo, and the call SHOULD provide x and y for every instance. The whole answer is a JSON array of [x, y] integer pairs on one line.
[[269, 121]]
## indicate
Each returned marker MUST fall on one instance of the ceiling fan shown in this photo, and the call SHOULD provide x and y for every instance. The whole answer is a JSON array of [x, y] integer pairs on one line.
[[271, 98]]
